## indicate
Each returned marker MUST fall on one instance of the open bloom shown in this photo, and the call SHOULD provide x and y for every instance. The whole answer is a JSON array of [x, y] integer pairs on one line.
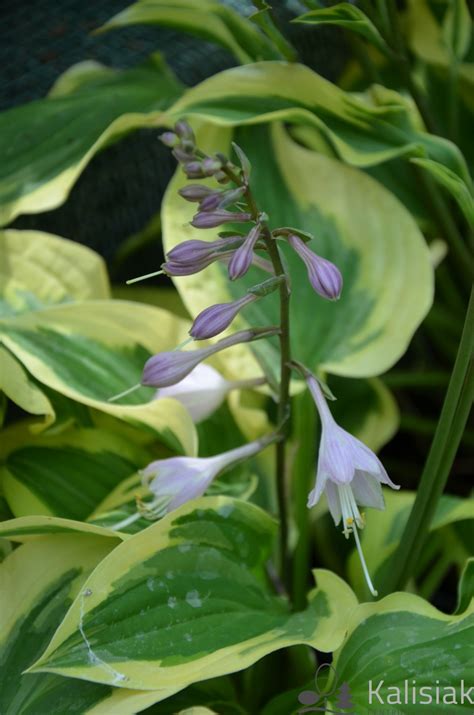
[[204, 390], [348, 472], [177, 480]]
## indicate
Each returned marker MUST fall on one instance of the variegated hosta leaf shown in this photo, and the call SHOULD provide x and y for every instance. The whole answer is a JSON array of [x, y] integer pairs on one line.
[[207, 19], [388, 276], [26, 528], [38, 269], [350, 18], [398, 646], [39, 582], [93, 350], [164, 610], [46, 144], [16, 384], [68, 474], [361, 134], [388, 525]]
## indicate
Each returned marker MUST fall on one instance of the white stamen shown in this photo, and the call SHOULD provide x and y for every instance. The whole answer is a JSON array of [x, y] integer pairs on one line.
[[126, 522], [144, 278], [364, 565], [124, 393]]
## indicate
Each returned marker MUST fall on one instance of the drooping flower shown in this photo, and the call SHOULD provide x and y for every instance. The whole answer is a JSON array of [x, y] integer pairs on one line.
[[168, 368], [215, 319], [177, 480], [323, 275], [348, 472], [204, 390], [242, 258]]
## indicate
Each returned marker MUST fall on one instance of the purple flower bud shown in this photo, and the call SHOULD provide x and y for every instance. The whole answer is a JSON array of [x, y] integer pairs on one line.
[[193, 170], [181, 268], [168, 368], [211, 166], [323, 275], [184, 157], [242, 258], [195, 192], [184, 131], [211, 219], [221, 199], [169, 139], [221, 177], [193, 250], [213, 320]]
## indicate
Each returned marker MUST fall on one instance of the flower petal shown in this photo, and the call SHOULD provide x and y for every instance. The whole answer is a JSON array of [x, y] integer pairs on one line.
[[367, 490], [334, 503]]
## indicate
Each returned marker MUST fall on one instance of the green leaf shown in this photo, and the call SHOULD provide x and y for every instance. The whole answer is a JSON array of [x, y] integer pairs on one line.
[[466, 587], [207, 19], [356, 223], [361, 134], [263, 18], [384, 529], [92, 351], [17, 385], [403, 639], [348, 17], [452, 183], [457, 28], [34, 601], [68, 474], [187, 600], [46, 144], [26, 528], [39, 269]]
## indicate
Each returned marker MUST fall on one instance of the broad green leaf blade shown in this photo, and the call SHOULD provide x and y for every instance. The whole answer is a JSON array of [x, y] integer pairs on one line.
[[18, 387], [46, 144], [361, 134], [69, 474], [400, 642], [452, 183], [207, 19], [348, 17], [385, 263], [38, 269], [26, 528], [384, 529], [94, 350], [34, 601], [164, 609]]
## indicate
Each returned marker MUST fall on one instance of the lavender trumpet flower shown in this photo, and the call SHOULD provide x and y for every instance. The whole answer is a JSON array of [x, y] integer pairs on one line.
[[348, 472], [215, 319], [168, 368], [204, 390], [242, 258], [177, 480], [211, 219], [323, 275]]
